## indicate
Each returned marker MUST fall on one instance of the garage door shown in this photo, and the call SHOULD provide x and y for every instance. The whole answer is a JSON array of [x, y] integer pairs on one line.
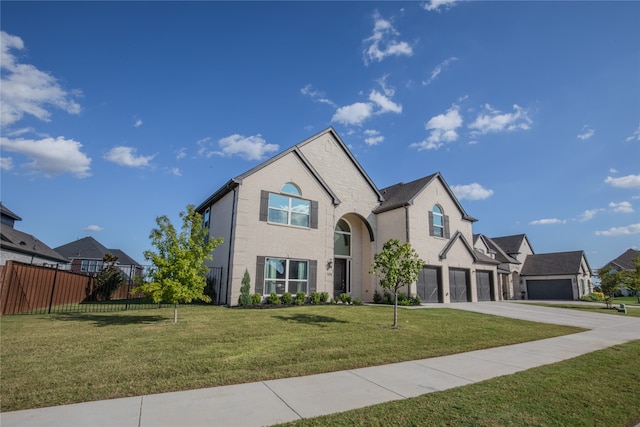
[[458, 285], [559, 289], [428, 284], [483, 283]]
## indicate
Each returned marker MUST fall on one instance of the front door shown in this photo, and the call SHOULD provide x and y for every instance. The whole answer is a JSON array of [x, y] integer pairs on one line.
[[340, 276]]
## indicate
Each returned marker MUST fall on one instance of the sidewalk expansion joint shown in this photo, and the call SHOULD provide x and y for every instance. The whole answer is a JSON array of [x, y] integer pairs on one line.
[[282, 400], [378, 385], [140, 413]]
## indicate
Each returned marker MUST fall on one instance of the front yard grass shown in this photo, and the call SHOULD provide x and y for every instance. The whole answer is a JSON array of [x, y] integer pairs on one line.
[[633, 312], [58, 359], [596, 389]]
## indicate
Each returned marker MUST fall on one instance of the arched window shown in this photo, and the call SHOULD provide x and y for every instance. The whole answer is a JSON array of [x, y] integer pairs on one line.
[[438, 221], [291, 188], [342, 239]]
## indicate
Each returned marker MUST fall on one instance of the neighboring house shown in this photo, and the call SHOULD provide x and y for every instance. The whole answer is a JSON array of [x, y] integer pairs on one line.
[[86, 256], [511, 252], [18, 246], [622, 263], [556, 276], [310, 219]]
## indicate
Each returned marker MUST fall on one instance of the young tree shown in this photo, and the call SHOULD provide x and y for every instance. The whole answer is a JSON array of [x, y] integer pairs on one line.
[[631, 278], [109, 278], [397, 265], [178, 273], [245, 290], [609, 283]]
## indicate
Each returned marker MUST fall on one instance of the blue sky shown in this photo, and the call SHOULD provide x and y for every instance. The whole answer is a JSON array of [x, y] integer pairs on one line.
[[115, 113]]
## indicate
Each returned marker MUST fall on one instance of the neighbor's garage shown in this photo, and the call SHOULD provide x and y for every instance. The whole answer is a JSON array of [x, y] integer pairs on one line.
[[557, 289]]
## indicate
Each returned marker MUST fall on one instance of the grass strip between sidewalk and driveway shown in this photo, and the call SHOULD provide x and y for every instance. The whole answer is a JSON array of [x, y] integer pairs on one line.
[[49, 360], [631, 311], [596, 389]]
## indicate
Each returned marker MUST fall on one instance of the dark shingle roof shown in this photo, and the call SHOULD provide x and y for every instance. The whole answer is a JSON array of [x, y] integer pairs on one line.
[[553, 263], [4, 211], [510, 244], [625, 261], [399, 195], [13, 240], [90, 248]]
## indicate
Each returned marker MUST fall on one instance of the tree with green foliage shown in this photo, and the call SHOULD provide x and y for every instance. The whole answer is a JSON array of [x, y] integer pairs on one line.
[[609, 283], [108, 279], [396, 266], [178, 274], [631, 278], [245, 290]]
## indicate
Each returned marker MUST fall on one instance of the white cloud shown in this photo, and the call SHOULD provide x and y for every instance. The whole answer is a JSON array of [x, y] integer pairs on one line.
[[436, 71], [629, 181], [203, 145], [443, 129], [620, 231], [176, 171], [26, 90], [622, 207], [51, 156], [247, 147], [181, 153], [547, 221], [373, 137], [126, 156], [473, 191], [493, 120], [635, 136], [383, 43], [386, 105], [435, 5], [316, 95], [613, 170], [6, 163], [586, 133], [137, 123], [353, 114], [93, 228], [588, 214]]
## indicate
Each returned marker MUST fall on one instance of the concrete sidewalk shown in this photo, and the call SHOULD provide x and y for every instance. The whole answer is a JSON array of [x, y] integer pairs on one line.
[[289, 399]]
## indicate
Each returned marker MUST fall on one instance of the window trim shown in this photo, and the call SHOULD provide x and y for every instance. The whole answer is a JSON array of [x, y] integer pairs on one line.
[[287, 280], [312, 272], [264, 211], [444, 226]]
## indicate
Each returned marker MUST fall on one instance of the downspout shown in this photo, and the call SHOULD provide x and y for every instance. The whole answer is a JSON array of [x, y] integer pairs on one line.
[[231, 232], [406, 222]]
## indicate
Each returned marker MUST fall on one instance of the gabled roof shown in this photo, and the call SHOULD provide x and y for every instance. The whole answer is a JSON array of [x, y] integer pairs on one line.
[[12, 240], [400, 195], [477, 256], [234, 182], [90, 248], [511, 244], [4, 211], [625, 261], [557, 263]]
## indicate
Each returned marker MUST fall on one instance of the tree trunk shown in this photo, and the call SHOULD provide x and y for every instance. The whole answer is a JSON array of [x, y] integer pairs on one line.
[[395, 310], [175, 313]]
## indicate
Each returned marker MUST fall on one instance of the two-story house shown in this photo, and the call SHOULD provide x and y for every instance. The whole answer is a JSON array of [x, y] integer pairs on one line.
[[310, 219]]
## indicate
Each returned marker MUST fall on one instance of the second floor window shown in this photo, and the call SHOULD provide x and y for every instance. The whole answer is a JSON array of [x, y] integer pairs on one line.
[[438, 221], [289, 210]]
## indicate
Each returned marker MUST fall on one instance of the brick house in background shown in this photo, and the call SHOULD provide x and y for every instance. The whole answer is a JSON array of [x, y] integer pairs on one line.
[[622, 263], [16, 245], [86, 256]]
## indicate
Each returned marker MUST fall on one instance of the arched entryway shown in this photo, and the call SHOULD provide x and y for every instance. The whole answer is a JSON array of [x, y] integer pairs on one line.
[[342, 258], [352, 249]]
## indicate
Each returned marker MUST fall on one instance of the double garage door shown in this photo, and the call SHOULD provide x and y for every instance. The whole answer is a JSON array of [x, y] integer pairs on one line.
[[558, 289], [459, 287]]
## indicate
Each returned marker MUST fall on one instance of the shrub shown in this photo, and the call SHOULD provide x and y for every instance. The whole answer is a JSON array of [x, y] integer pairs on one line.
[[387, 298], [324, 297], [345, 298], [357, 301], [256, 299], [377, 298], [274, 299], [415, 300], [301, 297], [245, 297], [286, 298], [315, 298]]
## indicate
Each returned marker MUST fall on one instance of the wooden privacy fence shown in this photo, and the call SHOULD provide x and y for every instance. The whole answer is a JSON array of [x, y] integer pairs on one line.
[[33, 289]]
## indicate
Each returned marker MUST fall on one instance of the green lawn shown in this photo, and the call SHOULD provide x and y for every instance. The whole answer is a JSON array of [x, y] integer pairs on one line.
[[597, 389], [601, 308], [626, 300], [59, 359]]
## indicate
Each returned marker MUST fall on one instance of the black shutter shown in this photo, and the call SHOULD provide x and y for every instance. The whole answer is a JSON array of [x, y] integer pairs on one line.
[[260, 275], [264, 205], [446, 227], [313, 272], [314, 215], [431, 232]]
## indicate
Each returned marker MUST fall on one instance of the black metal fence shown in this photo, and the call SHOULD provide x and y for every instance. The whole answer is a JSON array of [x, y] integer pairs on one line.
[[32, 289]]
